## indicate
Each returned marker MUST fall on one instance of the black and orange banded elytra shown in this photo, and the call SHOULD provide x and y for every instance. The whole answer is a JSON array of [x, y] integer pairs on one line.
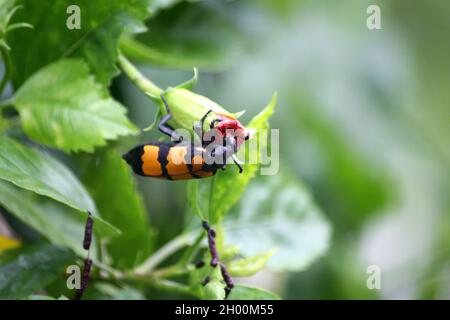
[[167, 160], [183, 160]]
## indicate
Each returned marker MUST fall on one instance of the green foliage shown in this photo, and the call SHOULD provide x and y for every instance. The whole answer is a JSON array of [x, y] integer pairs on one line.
[[32, 271], [60, 225], [102, 23], [39, 172], [62, 106], [7, 11], [36, 171], [241, 292], [279, 214], [124, 293], [4, 124], [109, 181], [197, 34], [214, 289], [247, 267]]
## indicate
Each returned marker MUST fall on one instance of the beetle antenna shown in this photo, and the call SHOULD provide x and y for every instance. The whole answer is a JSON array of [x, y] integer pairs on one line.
[[211, 244], [215, 260], [227, 278], [88, 261]]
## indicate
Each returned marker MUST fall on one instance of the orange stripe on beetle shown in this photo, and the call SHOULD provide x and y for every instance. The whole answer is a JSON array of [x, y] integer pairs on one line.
[[176, 161], [197, 163], [150, 163]]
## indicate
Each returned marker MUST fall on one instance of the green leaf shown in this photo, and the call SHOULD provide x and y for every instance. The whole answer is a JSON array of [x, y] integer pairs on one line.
[[249, 266], [189, 34], [215, 196], [62, 106], [60, 224], [279, 213], [5, 12], [37, 171], [102, 24], [124, 293], [109, 180], [33, 271], [240, 292]]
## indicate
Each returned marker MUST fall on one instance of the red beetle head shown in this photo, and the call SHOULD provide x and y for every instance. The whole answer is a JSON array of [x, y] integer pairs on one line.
[[232, 127]]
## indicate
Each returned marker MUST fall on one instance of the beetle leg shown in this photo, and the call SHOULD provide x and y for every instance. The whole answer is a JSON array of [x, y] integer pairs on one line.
[[202, 122], [211, 125], [198, 127], [238, 163], [164, 127]]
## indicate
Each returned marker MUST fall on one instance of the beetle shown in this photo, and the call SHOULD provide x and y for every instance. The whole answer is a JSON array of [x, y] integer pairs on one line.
[[181, 160]]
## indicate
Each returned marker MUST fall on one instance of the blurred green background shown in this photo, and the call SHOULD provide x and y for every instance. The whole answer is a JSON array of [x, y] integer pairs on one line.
[[364, 122]]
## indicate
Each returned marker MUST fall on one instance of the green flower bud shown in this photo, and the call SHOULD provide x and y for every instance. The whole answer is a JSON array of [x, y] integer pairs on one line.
[[249, 266], [188, 108]]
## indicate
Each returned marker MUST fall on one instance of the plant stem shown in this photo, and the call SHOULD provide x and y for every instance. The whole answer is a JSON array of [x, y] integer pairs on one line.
[[190, 253], [106, 268], [164, 285], [165, 251], [172, 286], [172, 271], [138, 78], [7, 63]]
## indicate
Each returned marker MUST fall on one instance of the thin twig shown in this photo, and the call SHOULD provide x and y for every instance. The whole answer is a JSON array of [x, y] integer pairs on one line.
[[138, 78], [190, 253], [164, 252], [161, 284]]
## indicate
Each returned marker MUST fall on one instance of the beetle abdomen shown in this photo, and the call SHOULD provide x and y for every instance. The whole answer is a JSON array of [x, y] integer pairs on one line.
[[166, 160]]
